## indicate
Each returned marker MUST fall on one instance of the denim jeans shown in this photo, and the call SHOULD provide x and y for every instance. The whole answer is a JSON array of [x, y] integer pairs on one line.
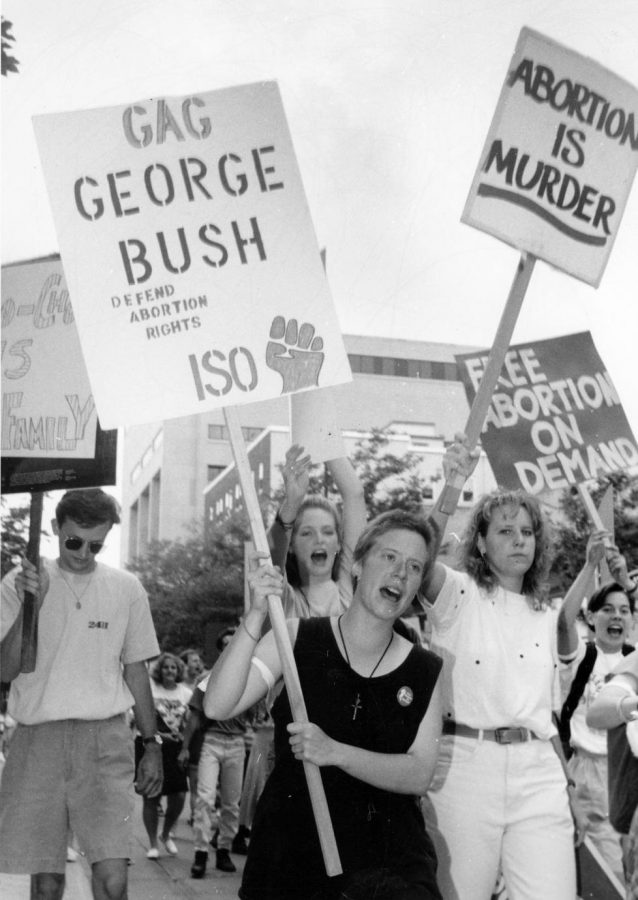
[[221, 761]]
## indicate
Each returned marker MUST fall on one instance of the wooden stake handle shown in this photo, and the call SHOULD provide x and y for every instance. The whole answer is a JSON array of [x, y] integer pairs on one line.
[[29, 646], [452, 489], [277, 619]]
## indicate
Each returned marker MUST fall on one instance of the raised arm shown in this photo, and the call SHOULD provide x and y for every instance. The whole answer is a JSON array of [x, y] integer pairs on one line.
[[354, 508], [235, 684], [296, 475], [567, 631], [458, 459], [402, 773]]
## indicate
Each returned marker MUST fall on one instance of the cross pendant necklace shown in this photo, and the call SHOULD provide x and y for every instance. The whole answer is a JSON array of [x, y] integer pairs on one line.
[[356, 706]]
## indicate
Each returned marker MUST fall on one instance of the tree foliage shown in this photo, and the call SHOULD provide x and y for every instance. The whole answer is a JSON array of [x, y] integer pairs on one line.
[[572, 531], [9, 62], [15, 534], [194, 581]]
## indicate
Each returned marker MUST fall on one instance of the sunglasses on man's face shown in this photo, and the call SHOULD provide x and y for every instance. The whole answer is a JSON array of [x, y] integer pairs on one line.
[[76, 543]]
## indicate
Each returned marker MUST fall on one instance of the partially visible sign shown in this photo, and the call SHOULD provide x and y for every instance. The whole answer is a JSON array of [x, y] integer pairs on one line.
[[555, 418], [190, 253], [62, 474], [47, 404], [314, 425], [559, 159]]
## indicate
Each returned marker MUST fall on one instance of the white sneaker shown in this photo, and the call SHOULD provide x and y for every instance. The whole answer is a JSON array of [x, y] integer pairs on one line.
[[153, 853], [170, 845]]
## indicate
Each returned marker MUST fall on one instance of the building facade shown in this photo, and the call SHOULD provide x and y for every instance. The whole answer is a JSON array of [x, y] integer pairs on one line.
[[176, 472]]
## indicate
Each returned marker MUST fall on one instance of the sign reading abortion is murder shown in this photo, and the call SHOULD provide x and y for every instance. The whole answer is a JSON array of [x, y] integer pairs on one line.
[[47, 404], [559, 159], [555, 418], [190, 254]]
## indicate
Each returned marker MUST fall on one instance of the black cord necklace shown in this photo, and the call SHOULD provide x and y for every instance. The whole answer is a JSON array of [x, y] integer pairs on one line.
[[356, 706]]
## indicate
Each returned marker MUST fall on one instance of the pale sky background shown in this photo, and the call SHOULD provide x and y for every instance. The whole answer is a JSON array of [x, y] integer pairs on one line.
[[388, 105]]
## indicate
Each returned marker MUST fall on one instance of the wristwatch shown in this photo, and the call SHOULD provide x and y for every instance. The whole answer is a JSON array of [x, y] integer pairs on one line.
[[153, 739]]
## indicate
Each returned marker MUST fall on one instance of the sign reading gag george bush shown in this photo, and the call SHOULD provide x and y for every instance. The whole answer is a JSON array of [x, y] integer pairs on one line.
[[555, 418], [559, 159], [190, 254]]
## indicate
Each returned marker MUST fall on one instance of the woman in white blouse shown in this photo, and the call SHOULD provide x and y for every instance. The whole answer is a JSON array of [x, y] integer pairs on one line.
[[498, 798]]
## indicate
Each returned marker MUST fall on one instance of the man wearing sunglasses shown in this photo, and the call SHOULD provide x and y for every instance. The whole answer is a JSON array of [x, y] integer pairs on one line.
[[70, 761]]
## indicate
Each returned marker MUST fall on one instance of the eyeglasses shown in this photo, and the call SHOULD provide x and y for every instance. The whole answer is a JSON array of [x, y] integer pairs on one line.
[[76, 543]]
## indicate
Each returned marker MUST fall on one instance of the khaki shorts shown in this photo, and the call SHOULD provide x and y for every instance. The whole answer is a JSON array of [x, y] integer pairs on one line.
[[62, 778]]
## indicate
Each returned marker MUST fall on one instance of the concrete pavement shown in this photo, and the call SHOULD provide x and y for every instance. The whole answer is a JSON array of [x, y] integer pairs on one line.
[[167, 878]]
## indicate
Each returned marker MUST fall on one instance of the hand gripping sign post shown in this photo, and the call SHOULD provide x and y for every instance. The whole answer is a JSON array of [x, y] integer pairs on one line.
[[190, 253], [51, 438], [553, 180]]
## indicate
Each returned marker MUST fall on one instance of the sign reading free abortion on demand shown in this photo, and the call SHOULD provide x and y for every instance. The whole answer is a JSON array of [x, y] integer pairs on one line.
[[555, 418], [559, 159], [190, 255]]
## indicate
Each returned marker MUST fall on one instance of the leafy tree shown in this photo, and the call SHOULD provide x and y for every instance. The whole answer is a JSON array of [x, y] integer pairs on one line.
[[575, 526], [194, 581], [9, 63], [15, 534]]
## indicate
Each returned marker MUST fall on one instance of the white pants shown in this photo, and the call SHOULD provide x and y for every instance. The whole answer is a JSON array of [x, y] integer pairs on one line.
[[506, 805], [590, 775], [221, 759]]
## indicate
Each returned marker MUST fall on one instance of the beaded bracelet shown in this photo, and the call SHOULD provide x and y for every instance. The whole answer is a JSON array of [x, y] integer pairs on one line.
[[287, 526]]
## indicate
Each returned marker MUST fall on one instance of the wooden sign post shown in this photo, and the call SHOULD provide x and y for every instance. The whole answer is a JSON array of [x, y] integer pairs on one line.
[[282, 638]]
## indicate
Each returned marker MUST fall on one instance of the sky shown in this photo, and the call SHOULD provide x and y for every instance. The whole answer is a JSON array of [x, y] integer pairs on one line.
[[388, 104]]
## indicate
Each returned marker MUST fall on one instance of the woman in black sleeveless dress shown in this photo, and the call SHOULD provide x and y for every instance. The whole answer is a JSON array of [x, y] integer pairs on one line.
[[373, 702]]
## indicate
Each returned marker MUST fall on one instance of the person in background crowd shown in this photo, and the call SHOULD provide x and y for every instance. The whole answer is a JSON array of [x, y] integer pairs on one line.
[[312, 542], [372, 699], [609, 616], [499, 793], [221, 764], [70, 756], [171, 698], [194, 672], [616, 709]]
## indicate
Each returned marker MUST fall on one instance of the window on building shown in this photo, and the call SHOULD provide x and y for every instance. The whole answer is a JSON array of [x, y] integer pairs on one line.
[[213, 471], [216, 433]]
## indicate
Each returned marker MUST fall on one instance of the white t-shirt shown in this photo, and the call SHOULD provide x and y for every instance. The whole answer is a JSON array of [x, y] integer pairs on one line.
[[172, 704], [80, 653], [591, 740], [500, 662]]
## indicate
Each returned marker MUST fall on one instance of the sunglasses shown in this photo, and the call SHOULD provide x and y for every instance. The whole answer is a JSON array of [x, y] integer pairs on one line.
[[76, 543]]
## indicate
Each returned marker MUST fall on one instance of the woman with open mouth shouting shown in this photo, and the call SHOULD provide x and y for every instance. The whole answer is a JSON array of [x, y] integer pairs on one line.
[[374, 713], [313, 542]]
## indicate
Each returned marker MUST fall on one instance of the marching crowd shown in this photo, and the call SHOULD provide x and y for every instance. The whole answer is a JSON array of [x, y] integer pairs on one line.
[[486, 752]]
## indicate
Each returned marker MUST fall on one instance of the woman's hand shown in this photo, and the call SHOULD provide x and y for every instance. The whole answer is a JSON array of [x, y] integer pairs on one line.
[[296, 475], [597, 545], [459, 459], [263, 580], [618, 566], [183, 757], [311, 744]]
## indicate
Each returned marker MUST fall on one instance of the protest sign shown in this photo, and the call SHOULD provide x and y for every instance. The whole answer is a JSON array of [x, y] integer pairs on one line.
[[314, 425], [47, 403], [55, 474], [191, 258], [559, 159], [555, 418]]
